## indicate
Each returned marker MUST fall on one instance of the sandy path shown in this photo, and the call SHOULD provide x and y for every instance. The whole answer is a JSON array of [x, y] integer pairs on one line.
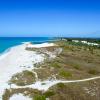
[[38, 85]]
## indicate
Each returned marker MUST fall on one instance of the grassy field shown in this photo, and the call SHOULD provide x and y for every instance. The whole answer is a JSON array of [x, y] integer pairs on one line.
[[74, 62]]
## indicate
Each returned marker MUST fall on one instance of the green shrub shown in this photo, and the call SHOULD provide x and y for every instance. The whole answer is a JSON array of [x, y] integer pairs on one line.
[[55, 64], [76, 66], [39, 97], [49, 93], [93, 71], [65, 74], [60, 85]]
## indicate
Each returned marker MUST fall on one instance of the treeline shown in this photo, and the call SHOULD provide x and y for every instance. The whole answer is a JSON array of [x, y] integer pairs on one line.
[[92, 40]]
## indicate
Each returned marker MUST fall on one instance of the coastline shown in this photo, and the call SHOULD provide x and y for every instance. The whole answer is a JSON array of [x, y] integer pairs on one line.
[[18, 59], [12, 60]]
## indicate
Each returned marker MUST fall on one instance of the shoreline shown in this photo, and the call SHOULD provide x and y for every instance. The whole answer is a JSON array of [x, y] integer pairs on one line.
[[12, 61], [19, 59]]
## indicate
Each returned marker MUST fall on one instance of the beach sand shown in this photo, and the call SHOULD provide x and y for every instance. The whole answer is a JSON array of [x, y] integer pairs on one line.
[[16, 60]]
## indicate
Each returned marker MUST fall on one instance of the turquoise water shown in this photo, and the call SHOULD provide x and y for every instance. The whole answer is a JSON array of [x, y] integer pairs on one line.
[[7, 42]]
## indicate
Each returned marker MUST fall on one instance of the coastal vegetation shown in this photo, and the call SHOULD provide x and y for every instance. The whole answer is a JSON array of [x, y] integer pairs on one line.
[[24, 78], [68, 60]]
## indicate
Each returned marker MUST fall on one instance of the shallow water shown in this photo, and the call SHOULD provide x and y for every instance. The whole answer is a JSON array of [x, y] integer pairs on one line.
[[7, 42]]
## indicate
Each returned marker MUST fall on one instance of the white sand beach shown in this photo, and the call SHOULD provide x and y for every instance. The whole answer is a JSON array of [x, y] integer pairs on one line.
[[17, 60], [29, 45], [20, 97]]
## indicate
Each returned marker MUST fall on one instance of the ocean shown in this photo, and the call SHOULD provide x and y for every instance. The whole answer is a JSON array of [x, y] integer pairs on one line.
[[8, 42]]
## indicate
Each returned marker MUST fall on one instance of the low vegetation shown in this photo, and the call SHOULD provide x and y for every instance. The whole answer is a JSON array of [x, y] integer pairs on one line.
[[76, 91], [65, 74], [39, 97], [76, 61], [23, 78], [49, 94], [93, 71]]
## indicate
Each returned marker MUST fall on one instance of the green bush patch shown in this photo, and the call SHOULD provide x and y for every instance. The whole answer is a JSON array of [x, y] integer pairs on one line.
[[39, 97], [93, 71], [76, 67], [49, 94], [55, 64], [60, 85], [65, 74]]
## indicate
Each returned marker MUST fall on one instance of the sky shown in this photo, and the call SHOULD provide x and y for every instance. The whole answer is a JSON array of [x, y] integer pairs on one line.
[[44, 18]]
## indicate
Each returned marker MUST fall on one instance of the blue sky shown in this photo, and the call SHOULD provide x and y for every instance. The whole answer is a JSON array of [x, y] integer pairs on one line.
[[70, 18]]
